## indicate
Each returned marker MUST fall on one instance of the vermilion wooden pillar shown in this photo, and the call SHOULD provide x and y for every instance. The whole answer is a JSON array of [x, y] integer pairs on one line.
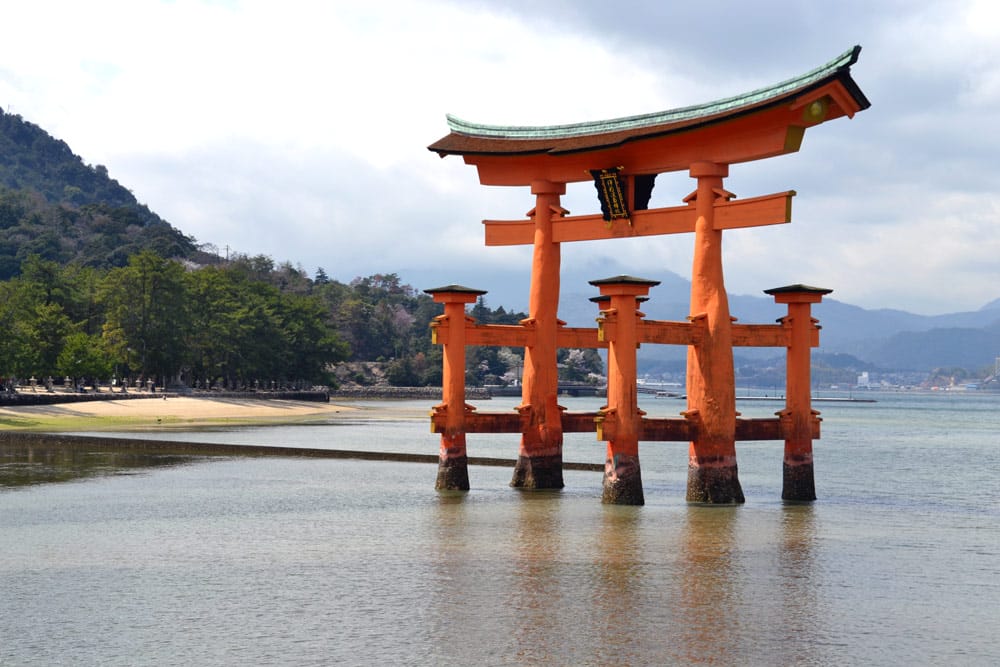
[[798, 417], [711, 380], [619, 422], [453, 461], [539, 459]]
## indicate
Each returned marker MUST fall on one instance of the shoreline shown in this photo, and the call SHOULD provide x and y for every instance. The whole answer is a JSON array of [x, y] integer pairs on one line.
[[35, 430], [35, 445], [159, 411]]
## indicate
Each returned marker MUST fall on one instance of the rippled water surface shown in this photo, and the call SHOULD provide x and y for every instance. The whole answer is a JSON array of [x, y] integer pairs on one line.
[[195, 560]]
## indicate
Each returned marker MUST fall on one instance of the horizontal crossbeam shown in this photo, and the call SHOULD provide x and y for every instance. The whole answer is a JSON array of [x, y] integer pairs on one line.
[[660, 332], [774, 209], [511, 422], [517, 335], [682, 430], [650, 429]]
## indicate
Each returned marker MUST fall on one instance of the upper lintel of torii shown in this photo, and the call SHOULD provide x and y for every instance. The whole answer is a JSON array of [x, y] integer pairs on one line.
[[760, 124]]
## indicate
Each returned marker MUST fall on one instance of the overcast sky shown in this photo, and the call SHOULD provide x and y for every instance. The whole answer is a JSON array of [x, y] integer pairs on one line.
[[300, 129]]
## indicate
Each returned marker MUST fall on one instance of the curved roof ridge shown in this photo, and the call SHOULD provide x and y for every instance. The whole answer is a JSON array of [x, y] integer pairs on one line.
[[841, 62]]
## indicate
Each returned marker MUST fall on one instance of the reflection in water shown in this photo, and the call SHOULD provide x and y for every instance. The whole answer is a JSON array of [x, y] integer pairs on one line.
[[709, 593], [797, 575], [26, 465], [540, 579], [537, 586], [455, 578], [619, 585], [747, 587]]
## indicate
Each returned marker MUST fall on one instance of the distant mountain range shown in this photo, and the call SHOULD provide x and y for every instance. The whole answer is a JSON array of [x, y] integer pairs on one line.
[[882, 339]]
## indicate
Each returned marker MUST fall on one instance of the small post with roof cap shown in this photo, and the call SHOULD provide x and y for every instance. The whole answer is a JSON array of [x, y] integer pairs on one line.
[[449, 330], [799, 420], [619, 422]]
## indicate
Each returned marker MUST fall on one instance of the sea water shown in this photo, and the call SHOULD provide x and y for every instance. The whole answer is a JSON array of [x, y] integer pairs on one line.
[[217, 561]]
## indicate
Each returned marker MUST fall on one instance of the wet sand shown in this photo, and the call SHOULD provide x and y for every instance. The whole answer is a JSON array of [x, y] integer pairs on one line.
[[184, 412]]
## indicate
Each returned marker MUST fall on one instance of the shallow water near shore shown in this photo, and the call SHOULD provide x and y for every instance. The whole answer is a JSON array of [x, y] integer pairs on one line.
[[197, 560]]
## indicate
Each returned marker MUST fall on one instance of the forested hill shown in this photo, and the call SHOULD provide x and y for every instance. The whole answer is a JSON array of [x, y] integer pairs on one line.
[[55, 206], [91, 287]]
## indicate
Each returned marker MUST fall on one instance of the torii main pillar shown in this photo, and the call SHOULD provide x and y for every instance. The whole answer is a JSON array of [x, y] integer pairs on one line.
[[539, 458], [712, 475]]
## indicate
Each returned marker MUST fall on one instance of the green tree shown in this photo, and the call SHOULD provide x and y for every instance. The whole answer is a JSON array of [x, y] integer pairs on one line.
[[83, 356], [308, 343], [35, 319], [46, 279], [213, 298], [402, 373], [257, 336], [47, 331], [244, 330], [82, 302], [18, 355], [146, 319]]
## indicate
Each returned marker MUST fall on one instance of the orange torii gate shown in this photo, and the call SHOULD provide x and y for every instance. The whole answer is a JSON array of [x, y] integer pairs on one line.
[[623, 157]]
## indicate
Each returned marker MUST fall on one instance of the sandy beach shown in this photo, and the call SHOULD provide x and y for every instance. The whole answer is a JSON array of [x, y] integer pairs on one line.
[[178, 412]]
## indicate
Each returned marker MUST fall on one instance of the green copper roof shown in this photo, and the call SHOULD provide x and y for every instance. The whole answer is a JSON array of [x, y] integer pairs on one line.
[[841, 62]]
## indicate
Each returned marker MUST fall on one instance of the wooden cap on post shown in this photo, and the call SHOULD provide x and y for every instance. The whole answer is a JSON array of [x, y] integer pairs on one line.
[[624, 284], [797, 293], [455, 293]]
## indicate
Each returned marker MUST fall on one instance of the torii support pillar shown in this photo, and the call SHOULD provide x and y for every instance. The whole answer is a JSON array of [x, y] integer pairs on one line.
[[453, 461], [711, 379], [619, 422], [800, 420], [539, 458]]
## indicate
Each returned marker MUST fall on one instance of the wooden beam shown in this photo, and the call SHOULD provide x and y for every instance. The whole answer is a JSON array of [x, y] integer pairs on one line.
[[652, 429], [499, 335], [664, 332], [682, 430], [773, 209], [579, 422], [760, 335], [667, 430], [768, 428], [513, 422], [516, 335], [578, 337]]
